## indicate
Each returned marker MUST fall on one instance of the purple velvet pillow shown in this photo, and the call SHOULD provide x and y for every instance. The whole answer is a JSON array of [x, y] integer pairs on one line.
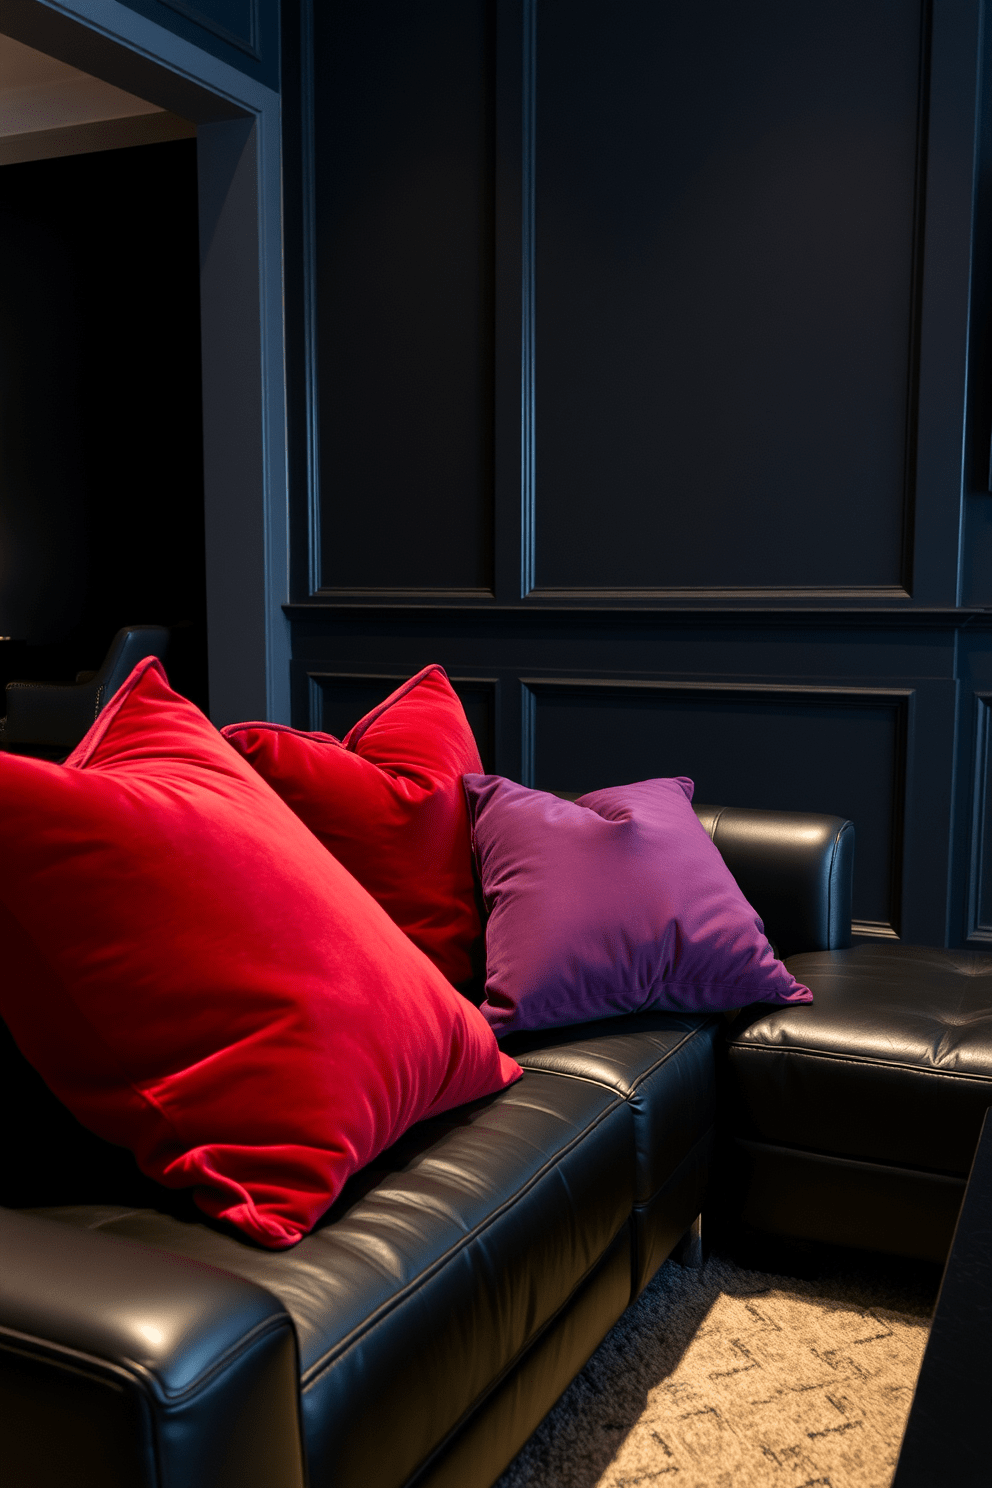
[[614, 903]]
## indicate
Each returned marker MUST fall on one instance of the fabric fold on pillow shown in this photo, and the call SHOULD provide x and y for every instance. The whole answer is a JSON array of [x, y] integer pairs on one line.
[[615, 903], [387, 801], [198, 980]]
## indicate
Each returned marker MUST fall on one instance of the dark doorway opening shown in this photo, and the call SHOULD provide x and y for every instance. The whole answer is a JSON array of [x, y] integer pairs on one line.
[[101, 439]]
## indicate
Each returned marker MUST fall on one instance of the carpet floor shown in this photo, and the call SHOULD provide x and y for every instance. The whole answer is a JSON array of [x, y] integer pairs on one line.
[[729, 1378]]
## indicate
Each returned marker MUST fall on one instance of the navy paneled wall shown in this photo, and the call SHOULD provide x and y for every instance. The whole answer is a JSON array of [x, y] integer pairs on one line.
[[726, 240], [638, 375], [403, 221], [244, 33]]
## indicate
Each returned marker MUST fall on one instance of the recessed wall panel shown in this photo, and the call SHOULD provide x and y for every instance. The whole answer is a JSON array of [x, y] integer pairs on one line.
[[785, 750], [404, 313], [232, 19], [243, 33], [726, 222], [337, 702]]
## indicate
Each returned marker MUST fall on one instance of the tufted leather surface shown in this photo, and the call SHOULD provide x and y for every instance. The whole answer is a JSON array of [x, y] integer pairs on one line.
[[663, 1066], [891, 1063], [438, 1268]]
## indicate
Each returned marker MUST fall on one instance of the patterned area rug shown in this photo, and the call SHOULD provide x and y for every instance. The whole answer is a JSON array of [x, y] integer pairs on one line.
[[726, 1378]]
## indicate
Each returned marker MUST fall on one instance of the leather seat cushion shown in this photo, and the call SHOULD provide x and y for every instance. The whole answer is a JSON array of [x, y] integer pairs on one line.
[[891, 1063], [438, 1268], [663, 1065]]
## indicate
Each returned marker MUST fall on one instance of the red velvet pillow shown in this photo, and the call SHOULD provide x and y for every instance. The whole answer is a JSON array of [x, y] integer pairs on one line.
[[387, 801], [197, 980]]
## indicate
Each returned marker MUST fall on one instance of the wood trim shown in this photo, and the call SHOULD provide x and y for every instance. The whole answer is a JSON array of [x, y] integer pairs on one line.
[[98, 134]]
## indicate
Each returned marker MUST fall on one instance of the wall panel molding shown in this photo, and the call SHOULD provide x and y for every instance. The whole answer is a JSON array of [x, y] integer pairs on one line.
[[692, 688], [427, 595], [688, 593], [676, 542], [623, 448], [884, 806], [943, 273], [355, 693], [395, 309], [307, 284], [528, 250], [246, 38], [243, 33], [979, 923]]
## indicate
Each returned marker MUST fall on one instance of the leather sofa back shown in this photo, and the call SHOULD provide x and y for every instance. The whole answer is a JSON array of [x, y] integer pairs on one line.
[[795, 867]]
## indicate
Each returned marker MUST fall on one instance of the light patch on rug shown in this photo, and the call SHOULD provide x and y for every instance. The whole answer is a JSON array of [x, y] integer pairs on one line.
[[726, 1378]]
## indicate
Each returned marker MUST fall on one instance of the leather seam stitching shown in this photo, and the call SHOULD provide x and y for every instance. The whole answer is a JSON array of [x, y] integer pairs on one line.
[[604, 1084], [318, 1367], [660, 1063]]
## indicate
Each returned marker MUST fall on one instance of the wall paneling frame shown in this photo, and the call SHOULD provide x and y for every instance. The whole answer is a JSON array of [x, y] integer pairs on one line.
[[190, 58], [639, 371]]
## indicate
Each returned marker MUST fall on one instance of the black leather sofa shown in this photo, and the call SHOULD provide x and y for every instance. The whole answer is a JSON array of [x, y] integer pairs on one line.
[[425, 1327], [856, 1122]]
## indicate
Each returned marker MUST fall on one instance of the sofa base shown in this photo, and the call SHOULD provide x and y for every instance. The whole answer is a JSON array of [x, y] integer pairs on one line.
[[838, 1201], [489, 1440], [662, 1222]]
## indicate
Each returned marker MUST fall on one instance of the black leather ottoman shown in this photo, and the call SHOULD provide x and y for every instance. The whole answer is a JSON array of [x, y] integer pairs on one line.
[[854, 1120]]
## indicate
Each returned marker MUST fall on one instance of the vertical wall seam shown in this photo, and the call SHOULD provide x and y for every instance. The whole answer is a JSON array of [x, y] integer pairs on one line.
[[309, 233], [527, 368]]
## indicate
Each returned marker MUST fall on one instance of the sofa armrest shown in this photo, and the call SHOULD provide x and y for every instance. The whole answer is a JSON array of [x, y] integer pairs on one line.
[[795, 867], [127, 1367]]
